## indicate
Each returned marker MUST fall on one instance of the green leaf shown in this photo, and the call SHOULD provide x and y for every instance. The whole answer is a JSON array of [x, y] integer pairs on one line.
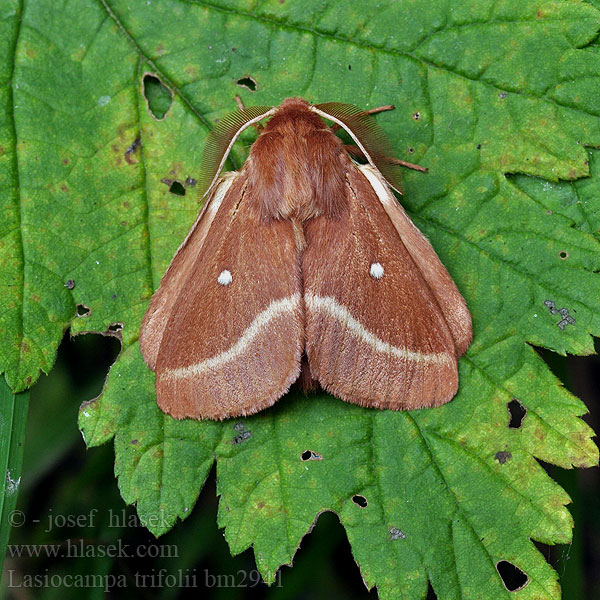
[[484, 90], [13, 419]]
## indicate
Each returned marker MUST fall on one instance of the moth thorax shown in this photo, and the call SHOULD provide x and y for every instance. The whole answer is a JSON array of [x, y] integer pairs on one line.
[[299, 175]]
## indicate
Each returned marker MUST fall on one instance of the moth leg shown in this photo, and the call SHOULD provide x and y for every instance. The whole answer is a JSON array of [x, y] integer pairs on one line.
[[397, 161], [258, 126], [374, 111], [356, 151], [239, 102]]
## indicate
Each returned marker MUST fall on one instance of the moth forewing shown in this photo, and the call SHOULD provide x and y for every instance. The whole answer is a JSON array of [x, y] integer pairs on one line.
[[452, 304], [165, 299], [375, 333], [231, 344]]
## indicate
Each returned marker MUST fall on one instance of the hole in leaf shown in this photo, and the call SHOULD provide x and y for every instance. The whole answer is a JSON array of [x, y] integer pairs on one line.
[[517, 413], [177, 189], [512, 577], [360, 501], [83, 310], [70, 284], [563, 255], [411, 150], [349, 67], [158, 96], [416, 116], [310, 455], [115, 327], [247, 82]]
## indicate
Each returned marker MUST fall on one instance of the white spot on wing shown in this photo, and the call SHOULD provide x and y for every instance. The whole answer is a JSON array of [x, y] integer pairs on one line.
[[274, 310], [376, 271], [340, 313], [225, 277]]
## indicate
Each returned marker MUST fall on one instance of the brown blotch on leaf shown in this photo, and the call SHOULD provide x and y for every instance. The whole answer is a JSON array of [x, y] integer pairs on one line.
[[502, 456], [190, 181], [134, 442], [64, 188], [134, 146]]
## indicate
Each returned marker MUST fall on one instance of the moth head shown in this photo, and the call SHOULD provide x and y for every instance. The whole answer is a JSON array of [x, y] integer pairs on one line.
[[363, 129]]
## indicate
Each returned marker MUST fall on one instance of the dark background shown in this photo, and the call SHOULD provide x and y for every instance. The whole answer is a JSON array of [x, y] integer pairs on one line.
[[61, 478]]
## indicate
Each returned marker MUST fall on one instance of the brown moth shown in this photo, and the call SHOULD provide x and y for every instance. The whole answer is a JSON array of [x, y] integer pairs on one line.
[[303, 260]]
